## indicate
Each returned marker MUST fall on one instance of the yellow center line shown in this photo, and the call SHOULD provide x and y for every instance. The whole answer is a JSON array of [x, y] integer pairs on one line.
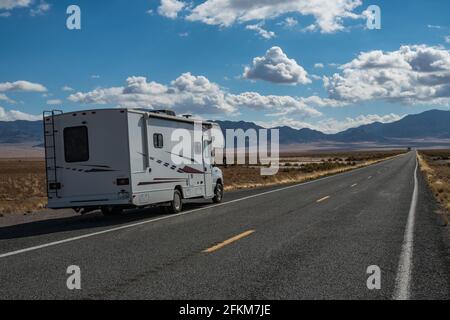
[[353, 185], [323, 199], [229, 241]]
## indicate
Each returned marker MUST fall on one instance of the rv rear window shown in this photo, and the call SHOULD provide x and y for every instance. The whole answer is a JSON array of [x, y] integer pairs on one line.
[[76, 144], [158, 140]]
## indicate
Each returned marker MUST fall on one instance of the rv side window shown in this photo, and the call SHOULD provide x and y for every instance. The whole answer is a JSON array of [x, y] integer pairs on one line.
[[76, 144], [158, 140]]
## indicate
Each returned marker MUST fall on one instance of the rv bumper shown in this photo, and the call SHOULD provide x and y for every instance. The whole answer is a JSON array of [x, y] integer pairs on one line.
[[63, 203]]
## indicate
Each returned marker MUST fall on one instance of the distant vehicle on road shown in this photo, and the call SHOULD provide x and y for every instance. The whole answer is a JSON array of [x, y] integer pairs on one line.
[[114, 159]]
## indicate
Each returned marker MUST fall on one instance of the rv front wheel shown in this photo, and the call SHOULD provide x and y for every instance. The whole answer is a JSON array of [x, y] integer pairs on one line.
[[176, 205], [218, 193]]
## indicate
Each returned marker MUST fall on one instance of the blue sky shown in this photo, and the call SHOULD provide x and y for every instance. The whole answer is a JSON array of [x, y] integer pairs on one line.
[[299, 63]]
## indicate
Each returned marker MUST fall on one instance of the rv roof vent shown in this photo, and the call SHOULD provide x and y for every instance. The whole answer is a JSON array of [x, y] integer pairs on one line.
[[165, 111], [187, 116]]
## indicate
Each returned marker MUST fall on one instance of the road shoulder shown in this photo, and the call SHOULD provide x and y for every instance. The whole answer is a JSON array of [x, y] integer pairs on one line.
[[431, 258]]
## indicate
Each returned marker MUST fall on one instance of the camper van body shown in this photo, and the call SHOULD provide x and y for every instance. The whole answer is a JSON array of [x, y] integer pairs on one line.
[[122, 158]]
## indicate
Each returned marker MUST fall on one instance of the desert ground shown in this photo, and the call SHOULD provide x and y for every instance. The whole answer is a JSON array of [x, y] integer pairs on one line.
[[435, 164], [22, 185], [21, 151]]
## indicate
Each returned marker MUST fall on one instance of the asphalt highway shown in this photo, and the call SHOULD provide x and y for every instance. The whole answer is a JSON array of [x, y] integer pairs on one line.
[[308, 241]]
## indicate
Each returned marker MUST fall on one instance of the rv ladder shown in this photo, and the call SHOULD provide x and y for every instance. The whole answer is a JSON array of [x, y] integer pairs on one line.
[[50, 151]]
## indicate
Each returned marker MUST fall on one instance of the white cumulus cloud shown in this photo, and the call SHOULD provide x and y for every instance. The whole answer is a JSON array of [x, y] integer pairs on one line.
[[186, 94], [288, 22], [12, 115], [4, 97], [22, 86], [40, 9], [276, 67], [273, 103], [35, 7], [416, 74], [170, 8], [13, 4], [67, 88], [261, 31], [317, 101], [328, 15], [190, 94], [332, 125]]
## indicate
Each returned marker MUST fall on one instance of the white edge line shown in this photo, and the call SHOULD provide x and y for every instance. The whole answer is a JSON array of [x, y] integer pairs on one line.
[[323, 199], [402, 289], [50, 244]]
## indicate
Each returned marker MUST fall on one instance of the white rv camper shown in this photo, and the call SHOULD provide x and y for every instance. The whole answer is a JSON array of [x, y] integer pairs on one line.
[[114, 159]]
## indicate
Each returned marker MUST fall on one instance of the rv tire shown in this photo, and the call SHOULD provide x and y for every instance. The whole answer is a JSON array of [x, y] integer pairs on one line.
[[176, 205], [218, 193]]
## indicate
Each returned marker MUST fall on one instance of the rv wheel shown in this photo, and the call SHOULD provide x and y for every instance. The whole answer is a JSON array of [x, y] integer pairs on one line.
[[111, 211], [176, 205], [218, 193]]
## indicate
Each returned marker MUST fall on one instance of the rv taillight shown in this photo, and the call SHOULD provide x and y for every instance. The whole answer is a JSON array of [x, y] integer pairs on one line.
[[123, 182], [54, 185]]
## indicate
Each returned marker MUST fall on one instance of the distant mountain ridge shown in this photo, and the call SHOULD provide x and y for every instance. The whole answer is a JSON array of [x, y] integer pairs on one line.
[[433, 124], [429, 124], [21, 131]]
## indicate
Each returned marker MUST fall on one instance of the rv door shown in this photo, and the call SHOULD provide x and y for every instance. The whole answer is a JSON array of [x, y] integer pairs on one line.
[[207, 164]]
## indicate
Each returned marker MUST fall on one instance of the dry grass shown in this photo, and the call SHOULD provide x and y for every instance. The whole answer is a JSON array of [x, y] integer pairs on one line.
[[22, 182], [435, 164], [22, 186], [295, 168]]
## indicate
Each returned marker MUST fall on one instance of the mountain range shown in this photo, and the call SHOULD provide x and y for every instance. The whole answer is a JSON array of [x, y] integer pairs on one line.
[[21, 131], [433, 124]]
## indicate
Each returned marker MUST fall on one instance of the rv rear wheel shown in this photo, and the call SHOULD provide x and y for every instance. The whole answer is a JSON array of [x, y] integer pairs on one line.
[[218, 193], [176, 205], [111, 211]]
